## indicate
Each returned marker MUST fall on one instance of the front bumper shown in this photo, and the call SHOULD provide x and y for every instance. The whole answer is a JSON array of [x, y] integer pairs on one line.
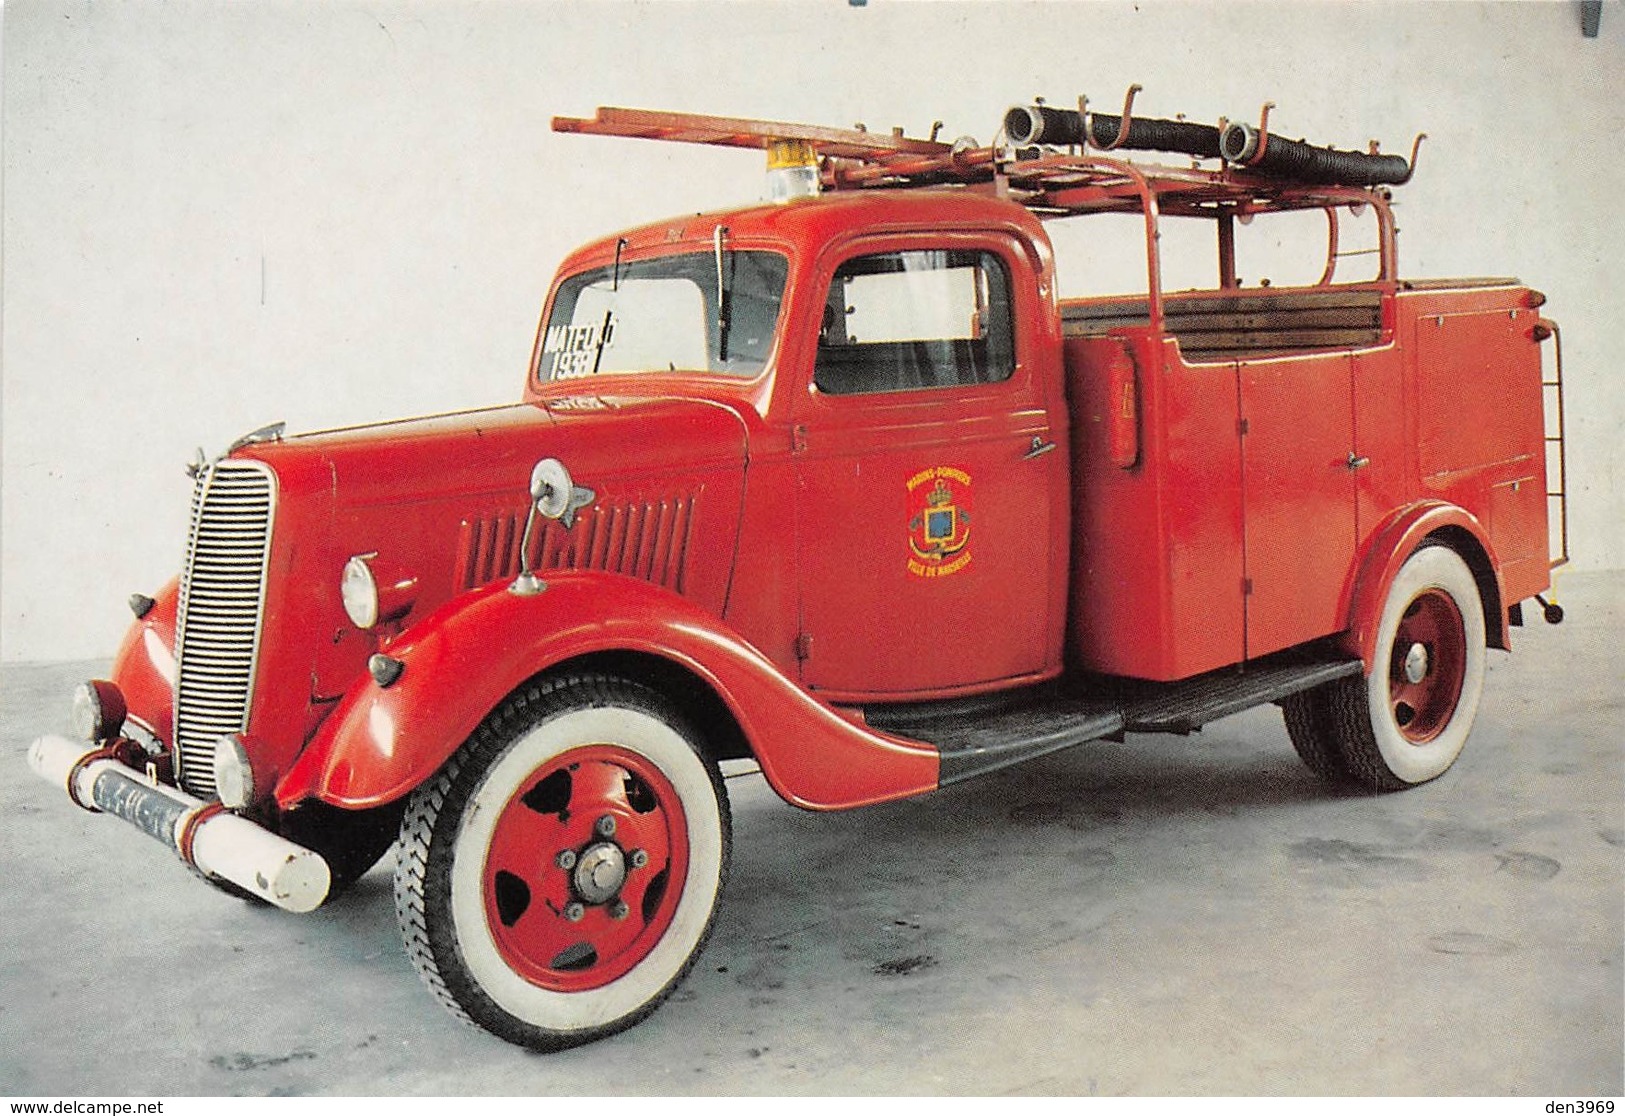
[[215, 842]]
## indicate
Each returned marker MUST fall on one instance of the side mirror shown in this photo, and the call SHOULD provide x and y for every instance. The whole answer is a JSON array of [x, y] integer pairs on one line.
[[555, 495]]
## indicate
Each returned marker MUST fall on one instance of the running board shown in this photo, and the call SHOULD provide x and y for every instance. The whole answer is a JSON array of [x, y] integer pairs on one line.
[[977, 736], [1184, 707], [980, 737]]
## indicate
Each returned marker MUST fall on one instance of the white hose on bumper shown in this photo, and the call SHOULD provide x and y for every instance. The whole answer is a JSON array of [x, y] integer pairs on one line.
[[222, 844]]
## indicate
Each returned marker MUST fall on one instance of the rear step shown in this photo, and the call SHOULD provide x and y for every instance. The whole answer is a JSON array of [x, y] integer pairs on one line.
[[977, 736]]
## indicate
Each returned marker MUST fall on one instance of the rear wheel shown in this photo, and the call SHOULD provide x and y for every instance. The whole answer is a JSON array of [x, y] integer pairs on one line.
[[559, 877], [1308, 718], [1407, 720]]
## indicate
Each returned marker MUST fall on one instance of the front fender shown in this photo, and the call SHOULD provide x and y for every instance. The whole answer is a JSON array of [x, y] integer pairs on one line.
[[144, 668], [1397, 540], [462, 660]]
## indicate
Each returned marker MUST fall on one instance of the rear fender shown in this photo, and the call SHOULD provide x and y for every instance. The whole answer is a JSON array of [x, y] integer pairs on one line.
[[1396, 541], [381, 743]]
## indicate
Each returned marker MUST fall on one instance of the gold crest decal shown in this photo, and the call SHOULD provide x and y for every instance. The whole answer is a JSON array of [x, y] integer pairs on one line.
[[939, 505]]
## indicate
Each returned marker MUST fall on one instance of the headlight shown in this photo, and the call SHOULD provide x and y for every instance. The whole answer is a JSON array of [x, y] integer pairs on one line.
[[233, 775], [98, 711], [376, 591], [360, 592]]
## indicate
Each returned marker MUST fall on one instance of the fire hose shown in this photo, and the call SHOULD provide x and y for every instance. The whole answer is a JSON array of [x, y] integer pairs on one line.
[[1030, 124], [1243, 145], [1302, 162]]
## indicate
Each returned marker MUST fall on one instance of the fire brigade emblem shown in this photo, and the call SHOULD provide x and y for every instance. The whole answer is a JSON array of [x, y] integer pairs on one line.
[[939, 521]]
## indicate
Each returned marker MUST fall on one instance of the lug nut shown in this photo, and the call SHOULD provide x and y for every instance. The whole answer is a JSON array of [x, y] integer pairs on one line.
[[638, 859], [606, 826], [619, 910], [575, 912], [566, 859]]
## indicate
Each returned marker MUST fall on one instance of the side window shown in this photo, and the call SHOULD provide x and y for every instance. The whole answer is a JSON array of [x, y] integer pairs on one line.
[[901, 321]]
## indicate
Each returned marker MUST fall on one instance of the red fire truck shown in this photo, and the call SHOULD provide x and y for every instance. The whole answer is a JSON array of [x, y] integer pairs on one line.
[[840, 484]]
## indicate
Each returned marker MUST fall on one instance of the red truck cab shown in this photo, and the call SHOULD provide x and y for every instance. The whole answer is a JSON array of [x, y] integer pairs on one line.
[[842, 485]]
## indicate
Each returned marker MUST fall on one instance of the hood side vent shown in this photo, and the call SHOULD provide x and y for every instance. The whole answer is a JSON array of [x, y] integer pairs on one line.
[[648, 540]]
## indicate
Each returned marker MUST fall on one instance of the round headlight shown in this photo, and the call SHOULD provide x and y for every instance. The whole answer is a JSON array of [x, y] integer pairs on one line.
[[98, 711], [233, 775], [360, 592]]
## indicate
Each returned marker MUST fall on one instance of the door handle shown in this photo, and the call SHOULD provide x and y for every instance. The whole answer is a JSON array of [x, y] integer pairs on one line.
[[1038, 449]]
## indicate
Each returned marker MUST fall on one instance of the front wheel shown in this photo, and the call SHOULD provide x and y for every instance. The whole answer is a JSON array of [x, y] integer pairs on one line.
[[559, 877], [1407, 720]]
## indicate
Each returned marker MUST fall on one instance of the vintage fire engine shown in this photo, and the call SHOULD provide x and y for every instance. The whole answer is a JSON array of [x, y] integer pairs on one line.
[[839, 484]]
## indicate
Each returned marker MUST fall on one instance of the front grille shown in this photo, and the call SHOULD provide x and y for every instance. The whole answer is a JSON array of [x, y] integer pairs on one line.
[[221, 607]]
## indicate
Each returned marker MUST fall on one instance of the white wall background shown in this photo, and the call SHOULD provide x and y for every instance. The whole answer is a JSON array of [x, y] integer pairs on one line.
[[220, 215]]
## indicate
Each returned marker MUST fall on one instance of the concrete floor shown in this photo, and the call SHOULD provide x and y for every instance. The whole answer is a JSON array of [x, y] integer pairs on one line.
[[1164, 916]]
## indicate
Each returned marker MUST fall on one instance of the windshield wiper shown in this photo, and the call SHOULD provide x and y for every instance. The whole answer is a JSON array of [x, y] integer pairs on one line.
[[723, 309], [608, 325]]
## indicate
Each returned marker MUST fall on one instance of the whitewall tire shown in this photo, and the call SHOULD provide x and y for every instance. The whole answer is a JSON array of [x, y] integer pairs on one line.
[[559, 877], [1407, 720]]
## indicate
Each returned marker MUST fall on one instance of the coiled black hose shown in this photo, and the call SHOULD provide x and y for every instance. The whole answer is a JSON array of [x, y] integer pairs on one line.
[[1302, 162], [1029, 124], [1283, 158]]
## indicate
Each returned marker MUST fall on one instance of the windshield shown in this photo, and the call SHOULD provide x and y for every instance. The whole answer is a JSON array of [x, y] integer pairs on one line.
[[662, 315]]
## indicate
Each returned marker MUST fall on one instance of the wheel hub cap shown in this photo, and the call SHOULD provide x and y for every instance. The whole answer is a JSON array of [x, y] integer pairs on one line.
[[599, 873], [585, 868], [1416, 663], [1428, 667]]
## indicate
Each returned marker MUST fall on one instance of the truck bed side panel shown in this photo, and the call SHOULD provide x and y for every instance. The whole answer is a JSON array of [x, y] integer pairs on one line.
[[1157, 558], [1480, 435], [1299, 495]]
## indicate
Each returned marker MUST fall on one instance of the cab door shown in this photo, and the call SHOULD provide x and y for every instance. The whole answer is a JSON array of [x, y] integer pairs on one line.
[[928, 477]]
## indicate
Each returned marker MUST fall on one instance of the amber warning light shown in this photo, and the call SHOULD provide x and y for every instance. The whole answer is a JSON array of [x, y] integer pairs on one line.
[[792, 170]]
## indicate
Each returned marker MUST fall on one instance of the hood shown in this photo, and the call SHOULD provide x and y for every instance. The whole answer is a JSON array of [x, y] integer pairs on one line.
[[439, 505], [492, 450]]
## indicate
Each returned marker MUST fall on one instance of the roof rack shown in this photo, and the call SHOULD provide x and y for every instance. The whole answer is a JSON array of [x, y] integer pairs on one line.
[[1050, 180]]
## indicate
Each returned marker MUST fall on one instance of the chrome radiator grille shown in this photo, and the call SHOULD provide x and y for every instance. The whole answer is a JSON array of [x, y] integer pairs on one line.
[[221, 608]]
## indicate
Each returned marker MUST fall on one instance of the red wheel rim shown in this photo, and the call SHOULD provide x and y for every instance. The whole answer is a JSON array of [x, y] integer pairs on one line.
[[1428, 666], [546, 905]]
